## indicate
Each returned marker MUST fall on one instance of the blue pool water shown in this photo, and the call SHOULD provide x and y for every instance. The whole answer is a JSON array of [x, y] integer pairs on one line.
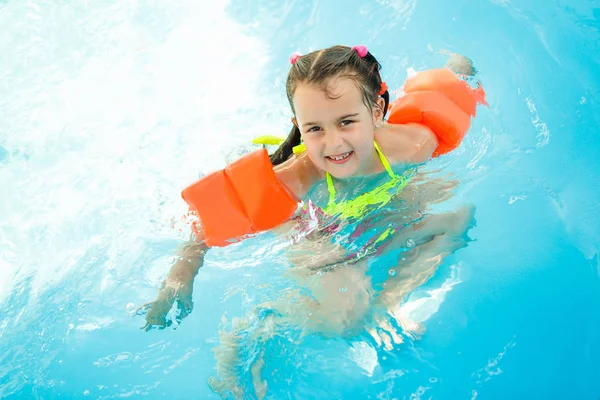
[[108, 110]]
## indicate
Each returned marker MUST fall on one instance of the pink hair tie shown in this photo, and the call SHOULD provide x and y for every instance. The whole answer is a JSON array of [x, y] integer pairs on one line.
[[294, 57], [361, 50], [384, 88]]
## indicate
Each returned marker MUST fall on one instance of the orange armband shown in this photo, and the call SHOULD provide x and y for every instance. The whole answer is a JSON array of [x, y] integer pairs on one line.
[[441, 101], [244, 198]]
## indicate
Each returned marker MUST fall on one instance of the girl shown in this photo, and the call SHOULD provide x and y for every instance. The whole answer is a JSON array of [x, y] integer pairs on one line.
[[339, 102], [338, 141]]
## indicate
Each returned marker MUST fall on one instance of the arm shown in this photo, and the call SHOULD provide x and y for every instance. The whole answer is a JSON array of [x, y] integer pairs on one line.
[[298, 175], [177, 286], [436, 237], [435, 103], [410, 143], [295, 176], [190, 257]]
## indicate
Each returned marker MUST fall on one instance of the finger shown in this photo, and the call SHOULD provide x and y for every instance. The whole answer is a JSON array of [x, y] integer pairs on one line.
[[184, 309], [375, 336], [143, 310], [154, 325], [387, 341], [388, 328]]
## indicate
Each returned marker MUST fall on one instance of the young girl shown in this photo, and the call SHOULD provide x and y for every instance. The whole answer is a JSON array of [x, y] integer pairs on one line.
[[339, 102], [338, 141]]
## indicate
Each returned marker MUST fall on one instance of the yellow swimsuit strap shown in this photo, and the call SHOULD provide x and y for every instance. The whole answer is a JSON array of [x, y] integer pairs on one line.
[[384, 161]]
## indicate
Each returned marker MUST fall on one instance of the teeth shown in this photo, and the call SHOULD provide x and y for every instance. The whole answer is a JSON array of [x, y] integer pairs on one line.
[[340, 157]]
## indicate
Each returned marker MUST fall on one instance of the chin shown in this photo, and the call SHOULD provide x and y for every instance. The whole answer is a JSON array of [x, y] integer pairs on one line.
[[342, 173]]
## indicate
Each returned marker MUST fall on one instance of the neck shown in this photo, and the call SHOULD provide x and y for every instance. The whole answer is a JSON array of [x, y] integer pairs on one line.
[[371, 167]]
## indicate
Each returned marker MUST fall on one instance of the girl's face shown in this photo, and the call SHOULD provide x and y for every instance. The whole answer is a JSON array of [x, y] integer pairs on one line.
[[338, 129]]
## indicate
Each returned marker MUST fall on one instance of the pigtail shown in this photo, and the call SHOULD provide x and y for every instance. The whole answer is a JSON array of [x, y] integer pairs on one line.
[[374, 68], [286, 148], [386, 105]]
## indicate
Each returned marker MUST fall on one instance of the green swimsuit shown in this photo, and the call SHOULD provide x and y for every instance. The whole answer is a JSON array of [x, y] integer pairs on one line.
[[356, 207]]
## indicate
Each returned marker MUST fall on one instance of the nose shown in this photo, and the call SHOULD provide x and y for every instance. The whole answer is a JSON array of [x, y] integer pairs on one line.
[[333, 139]]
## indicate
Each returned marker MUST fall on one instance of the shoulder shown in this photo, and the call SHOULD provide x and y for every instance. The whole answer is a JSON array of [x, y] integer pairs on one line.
[[406, 143], [298, 174]]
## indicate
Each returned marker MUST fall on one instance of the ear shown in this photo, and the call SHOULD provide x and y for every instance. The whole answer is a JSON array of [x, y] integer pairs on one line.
[[378, 110]]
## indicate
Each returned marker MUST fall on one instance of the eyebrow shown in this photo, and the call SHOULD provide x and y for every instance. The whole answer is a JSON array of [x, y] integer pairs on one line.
[[339, 119]]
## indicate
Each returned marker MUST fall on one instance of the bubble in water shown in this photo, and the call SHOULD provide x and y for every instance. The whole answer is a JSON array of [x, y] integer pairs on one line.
[[86, 392], [392, 272], [433, 379], [130, 307], [343, 289], [410, 243]]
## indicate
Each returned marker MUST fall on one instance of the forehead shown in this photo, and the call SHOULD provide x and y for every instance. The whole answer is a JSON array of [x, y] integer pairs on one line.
[[340, 95]]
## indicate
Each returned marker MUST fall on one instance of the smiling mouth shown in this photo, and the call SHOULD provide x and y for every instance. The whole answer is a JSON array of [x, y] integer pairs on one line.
[[341, 158]]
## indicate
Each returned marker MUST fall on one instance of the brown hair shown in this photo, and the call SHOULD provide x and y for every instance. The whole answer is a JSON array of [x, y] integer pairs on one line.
[[317, 68]]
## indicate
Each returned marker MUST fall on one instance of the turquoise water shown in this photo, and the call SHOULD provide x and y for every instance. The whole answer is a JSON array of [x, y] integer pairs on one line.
[[109, 110]]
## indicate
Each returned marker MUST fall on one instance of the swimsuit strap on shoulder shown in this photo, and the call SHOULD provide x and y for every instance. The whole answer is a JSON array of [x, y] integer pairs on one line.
[[384, 161], [330, 189]]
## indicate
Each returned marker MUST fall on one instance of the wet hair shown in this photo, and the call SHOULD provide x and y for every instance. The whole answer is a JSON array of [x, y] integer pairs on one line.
[[317, 68]]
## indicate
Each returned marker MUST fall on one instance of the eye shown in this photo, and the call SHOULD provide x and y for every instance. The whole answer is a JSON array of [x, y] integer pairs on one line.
[[314, 129], [346, 122]]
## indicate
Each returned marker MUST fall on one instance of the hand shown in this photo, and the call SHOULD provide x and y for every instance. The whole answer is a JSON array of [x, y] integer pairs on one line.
[[460, 65], [390, 324], [185, 304], [383, 332], [156, 311]]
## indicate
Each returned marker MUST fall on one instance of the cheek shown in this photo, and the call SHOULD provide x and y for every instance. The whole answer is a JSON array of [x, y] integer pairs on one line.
[[365, 150], [313, 150], [362, 139]]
